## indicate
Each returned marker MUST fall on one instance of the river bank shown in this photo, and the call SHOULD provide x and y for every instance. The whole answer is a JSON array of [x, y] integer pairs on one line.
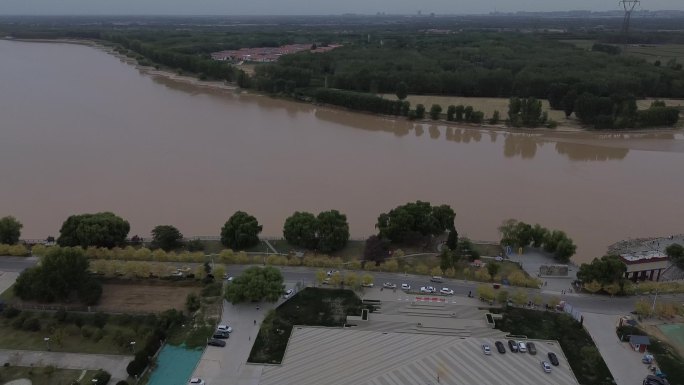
[[565, 126]]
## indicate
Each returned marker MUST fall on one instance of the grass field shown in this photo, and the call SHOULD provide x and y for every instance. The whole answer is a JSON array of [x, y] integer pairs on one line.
[[141, 298], [76, 334], [43, 376], [651, 53]]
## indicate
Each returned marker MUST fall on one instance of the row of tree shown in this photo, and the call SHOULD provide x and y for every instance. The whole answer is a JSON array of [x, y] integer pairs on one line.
[[361, 101], [620, 111], [326, 232], [415, 220], [520, 234]]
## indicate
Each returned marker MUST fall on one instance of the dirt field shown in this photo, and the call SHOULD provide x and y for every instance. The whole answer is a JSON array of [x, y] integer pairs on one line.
[[139, 298], [486, 105]]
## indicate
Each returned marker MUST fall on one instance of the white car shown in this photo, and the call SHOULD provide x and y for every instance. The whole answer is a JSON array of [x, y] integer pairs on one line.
[[405, 286], [224, 328], [331, 272], [367, 284], [499, 259], [545, 365], [522, 347], [196, 381], [446, 291], [288, 293], [427, 289], [486, 349], [389, 285]]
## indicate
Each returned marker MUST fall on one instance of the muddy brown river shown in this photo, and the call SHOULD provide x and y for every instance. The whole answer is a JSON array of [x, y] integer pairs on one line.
[[81, 131]]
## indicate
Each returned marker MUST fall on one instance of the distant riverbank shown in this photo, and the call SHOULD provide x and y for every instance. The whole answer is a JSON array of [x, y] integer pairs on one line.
[[487, 105]]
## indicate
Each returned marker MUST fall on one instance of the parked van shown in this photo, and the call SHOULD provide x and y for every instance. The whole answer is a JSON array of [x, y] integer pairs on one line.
[[436, 278]]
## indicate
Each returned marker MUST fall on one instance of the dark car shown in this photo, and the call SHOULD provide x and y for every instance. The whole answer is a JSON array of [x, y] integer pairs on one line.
[[655, 380], [553, 358], [500, 347], [216, 342], [513, 346], [221, 335], [531, 348]]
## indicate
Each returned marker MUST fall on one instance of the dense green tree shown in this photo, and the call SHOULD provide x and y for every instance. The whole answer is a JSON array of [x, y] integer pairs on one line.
[[452, 240], [10, 230], [445, 215], [495, 118], [241, 231], [415, 219], [467, 250], [460, 112], [61, 273], [333, 231], [606, 270], [445, 260], [166, 237], [100, 230], [376, 249], [676, 252], [301, 229], [493, 269], [420, 111], [435, 111], [451, 111], [401, 91], [467, 113], [256, 284], [525, 112], [568, 102]]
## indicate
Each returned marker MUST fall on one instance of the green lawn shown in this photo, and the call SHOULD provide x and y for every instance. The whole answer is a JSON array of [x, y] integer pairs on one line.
[[43, 376], [68, 336]]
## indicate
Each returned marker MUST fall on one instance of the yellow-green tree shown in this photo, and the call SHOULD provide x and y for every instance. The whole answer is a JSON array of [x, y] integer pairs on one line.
[[612, 288], [519, 297], [320, 276], [336, 279], [642, 308], [351, 279], [502, 296], [366, 279], [392, 266], [219, 271], [486, 292], [592, 287]]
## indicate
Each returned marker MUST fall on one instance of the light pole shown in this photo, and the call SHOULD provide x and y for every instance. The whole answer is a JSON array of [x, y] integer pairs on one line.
[[47, 342], [654, 302], [132, 347]]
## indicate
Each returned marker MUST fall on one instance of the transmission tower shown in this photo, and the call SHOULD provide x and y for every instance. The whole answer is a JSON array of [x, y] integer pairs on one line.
[[629, 6]]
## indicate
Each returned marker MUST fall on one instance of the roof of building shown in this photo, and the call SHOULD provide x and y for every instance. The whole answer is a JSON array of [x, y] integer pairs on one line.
[[639, 340], [336, 356], [643, 257]]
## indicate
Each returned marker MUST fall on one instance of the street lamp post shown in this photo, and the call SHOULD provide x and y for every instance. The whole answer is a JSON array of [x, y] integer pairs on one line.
[[47, 342], [132, 347]]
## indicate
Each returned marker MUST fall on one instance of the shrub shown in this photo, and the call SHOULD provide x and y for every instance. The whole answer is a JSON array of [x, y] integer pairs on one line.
[[88, 331], [10, 312], [97, 335], [136, 367], [102, 377], [31, 324], [212, 289], [100, 319]]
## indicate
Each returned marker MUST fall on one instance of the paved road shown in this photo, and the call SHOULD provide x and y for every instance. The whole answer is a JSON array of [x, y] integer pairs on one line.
[[228, 365], [114, 364], [623, 362], [16, 264]]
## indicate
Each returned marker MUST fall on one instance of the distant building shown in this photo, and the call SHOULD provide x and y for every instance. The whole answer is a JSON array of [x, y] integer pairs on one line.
[[268, 54], [645, 266], [639, 343]]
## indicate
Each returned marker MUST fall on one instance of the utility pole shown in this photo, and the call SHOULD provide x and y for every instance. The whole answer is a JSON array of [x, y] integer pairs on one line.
[[629, 6]]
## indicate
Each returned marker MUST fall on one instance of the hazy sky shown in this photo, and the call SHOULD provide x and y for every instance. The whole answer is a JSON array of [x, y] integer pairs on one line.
[[307, 7]]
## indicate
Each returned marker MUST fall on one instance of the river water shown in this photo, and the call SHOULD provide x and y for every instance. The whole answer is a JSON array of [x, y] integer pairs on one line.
[[81, 131]]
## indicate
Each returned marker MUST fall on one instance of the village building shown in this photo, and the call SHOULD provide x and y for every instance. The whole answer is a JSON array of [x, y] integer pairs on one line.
[[645, 266]]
